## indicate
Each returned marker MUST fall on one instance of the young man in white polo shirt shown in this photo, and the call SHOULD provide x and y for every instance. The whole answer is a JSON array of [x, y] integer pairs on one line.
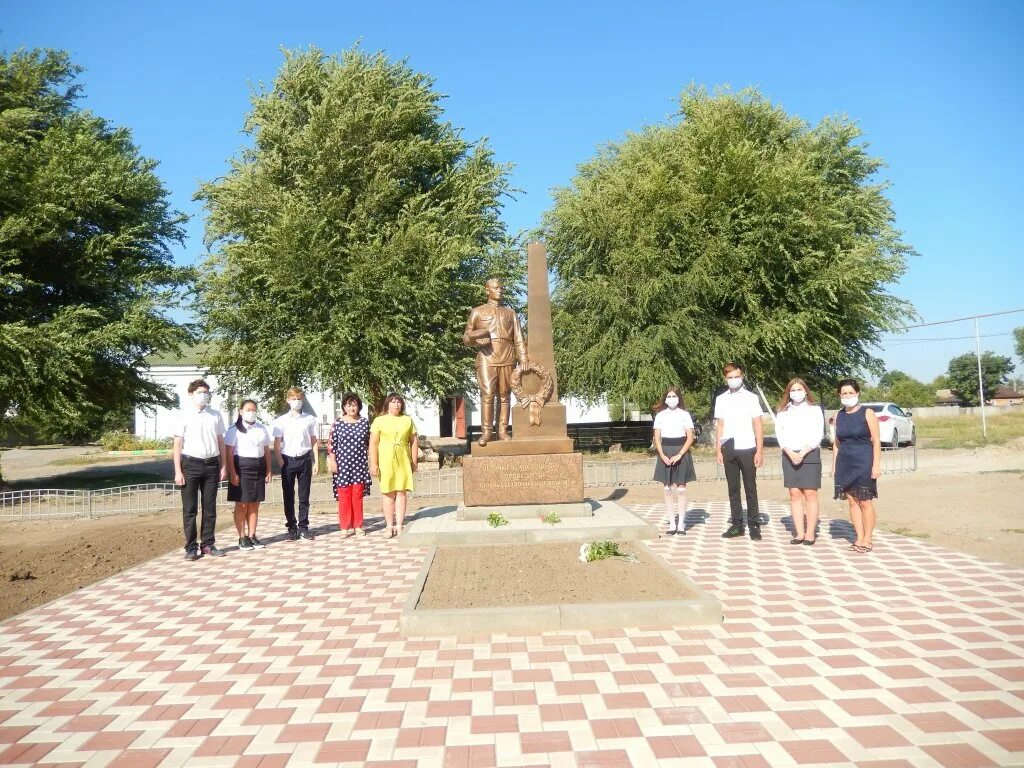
[[199, 468], [740, 440], [296, 446]]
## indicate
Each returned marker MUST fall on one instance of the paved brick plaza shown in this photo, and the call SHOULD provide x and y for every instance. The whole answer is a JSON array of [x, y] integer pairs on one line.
[[910, 656]]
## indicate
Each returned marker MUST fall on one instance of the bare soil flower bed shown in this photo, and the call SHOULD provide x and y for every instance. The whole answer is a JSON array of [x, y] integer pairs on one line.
[[541, 574]]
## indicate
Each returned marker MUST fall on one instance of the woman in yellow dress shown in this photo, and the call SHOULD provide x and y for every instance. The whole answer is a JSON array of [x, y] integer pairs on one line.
[[394, 455]]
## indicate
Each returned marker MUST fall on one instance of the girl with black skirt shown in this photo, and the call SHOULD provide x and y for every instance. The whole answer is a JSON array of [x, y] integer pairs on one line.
[[857, 462], [673, 436], [799, 428], [247, 457]]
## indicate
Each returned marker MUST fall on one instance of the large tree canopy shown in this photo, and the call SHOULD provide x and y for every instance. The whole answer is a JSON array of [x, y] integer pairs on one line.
[[350, 241], [86, 273], [735, 232]]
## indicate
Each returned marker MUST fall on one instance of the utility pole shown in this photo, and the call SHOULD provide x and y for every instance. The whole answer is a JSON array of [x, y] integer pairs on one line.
[[981, 388]]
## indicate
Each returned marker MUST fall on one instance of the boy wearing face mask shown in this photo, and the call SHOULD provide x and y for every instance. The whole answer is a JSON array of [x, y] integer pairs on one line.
[[740, 437], [673, 436], [296, 446], [199, 468]]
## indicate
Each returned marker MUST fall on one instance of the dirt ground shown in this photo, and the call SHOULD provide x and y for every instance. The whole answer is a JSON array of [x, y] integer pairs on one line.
[[541, 574], [971, 501]]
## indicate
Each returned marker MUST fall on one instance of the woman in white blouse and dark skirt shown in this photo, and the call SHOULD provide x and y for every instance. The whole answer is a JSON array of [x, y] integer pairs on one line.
[[800, 427], [673, 436], [247, 457]]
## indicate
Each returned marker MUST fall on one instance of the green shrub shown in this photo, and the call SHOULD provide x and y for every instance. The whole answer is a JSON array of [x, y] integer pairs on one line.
[[123, 440]]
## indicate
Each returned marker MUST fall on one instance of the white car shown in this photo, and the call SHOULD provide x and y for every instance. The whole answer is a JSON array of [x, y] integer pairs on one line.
[[894, 425]]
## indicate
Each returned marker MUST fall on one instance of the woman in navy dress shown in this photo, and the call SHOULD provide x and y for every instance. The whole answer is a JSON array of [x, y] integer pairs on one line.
[[857, 462], [350, 438]]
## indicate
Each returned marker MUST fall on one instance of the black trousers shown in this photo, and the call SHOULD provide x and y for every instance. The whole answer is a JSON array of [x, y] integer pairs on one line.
[[740, 463], [300, 469], [202, 478]]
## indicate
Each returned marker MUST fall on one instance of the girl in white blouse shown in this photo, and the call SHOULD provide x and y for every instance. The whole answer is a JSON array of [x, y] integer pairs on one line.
[[673, 436], [800, 427]]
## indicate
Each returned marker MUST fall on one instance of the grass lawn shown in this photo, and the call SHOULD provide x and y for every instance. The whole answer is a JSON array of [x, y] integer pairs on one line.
[[965, 431], [90, 481]]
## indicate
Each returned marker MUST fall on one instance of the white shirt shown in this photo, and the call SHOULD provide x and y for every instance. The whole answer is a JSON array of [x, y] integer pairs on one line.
[[800, 426], [199, 431], [296, 431], [673, 422], [248, 444], [737, 410]]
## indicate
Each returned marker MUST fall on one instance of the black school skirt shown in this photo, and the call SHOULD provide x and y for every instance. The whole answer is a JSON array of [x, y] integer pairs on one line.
[[682, 472], [252, 484]]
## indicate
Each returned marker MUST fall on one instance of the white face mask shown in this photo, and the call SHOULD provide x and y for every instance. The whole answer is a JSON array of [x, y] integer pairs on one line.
[[249, 416], [202, 399], [295, 405], [734, 382], [797, 395], [850, 400], [672, 401]]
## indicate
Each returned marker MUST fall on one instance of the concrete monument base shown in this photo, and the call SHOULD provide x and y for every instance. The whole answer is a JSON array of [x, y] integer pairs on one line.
[[525, 511], [528, 479]]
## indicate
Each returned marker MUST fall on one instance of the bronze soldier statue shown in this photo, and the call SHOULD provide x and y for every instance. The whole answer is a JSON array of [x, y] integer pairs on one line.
[[494, 331]]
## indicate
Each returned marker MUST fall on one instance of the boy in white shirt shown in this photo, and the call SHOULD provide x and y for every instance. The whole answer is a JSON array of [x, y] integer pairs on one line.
[[738, 448], [198, 467], [296, 446]]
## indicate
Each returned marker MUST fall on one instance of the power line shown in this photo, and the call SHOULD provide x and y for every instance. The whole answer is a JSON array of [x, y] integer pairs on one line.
[[962, 319], [892, 341]]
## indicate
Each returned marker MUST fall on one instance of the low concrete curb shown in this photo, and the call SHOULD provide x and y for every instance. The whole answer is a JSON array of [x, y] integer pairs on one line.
[[701, 610], [440, 527], [526, 511]]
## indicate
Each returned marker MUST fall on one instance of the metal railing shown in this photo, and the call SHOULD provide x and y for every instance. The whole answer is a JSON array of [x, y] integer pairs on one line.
[[49, 503]]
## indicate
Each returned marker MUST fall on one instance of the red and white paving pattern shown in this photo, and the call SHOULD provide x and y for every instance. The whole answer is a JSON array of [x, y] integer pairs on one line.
[[290, 656]]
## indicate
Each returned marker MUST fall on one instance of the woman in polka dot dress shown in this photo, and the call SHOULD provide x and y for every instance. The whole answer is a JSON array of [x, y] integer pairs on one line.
[[350, 438]]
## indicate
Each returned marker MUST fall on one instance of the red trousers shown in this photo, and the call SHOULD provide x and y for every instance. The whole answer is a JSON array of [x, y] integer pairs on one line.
[[350, 506]]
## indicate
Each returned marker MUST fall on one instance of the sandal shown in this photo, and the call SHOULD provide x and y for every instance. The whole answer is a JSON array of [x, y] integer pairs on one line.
[[389, 532], [360, 532]]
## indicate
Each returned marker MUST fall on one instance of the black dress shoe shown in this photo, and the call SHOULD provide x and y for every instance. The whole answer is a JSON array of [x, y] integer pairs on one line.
[[755, 533], [293, 535], [797, 541], [733, 532], [809, 542]]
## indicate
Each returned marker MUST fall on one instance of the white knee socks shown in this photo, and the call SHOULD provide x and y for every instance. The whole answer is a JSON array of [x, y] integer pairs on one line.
[[669, 508], [681, 507]]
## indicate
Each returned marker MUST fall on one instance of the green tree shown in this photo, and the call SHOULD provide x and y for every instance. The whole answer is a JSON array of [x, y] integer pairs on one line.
[[902, 389], [736, 232], [1018, 342], [351, 240], [86, 274], [962, 375]]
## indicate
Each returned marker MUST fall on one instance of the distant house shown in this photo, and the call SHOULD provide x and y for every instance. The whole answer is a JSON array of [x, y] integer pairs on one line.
[[1006, 396], [947, 397], [433, 419]]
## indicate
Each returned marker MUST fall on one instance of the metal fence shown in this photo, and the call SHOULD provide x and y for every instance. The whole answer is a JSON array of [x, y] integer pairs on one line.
[[41, 504]]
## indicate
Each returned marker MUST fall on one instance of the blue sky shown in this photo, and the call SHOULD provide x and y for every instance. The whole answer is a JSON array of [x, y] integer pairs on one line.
[[936, 87]]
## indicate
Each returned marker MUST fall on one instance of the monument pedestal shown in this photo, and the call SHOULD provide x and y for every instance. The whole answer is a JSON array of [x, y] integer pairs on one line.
[[554, 478]]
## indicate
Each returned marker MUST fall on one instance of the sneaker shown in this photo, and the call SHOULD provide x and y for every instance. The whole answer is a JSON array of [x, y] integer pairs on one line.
[[755, 533], [212, 551], [734, 531], [245, 543], [256, 543], [191, 556], [293, 535], [306, 535]]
